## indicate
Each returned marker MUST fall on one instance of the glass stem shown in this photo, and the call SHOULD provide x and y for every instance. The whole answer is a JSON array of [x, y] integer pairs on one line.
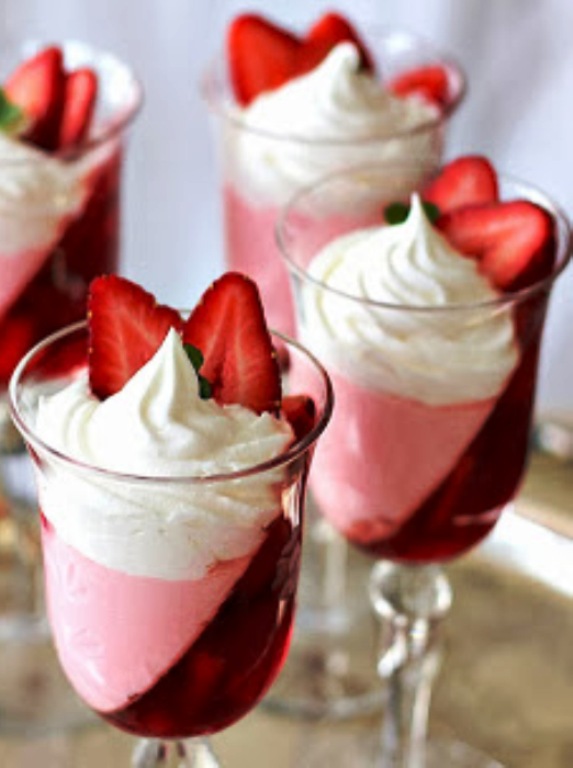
[[323, 605], [187, 753], [411, 602]]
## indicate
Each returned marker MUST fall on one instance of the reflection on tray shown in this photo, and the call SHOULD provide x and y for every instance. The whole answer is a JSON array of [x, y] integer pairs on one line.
[[532, 549]]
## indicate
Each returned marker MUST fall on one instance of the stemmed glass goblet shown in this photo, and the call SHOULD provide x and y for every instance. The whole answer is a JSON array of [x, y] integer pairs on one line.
[[429, 438], [171, 658], [263, 162]]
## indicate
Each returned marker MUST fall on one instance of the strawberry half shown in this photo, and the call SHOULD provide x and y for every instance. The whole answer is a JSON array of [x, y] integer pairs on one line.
[[80, 95], [514, 241], [228, 326], [468, 180], [330, 30], [300, 412], [263, 56], [126, 328], [430, 82], [37, 87]]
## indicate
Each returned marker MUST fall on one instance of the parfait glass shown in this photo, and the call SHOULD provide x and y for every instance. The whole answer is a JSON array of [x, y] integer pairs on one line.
[[60, 226], [412, 472], [173, 637], [259, 171]]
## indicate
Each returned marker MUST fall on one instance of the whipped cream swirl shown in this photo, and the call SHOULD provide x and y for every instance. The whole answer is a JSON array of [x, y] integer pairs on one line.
[[157, 425], [335, 116], [38, 194], [410, 330]]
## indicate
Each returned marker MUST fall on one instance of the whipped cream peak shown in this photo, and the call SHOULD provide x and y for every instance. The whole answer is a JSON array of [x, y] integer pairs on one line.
[[335, 116], [337, 100], [380, 321], [157, 426], [34, 182]]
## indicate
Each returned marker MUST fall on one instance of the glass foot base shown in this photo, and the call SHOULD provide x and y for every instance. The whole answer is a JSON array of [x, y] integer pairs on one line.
[[188, 753], [329, 673], [355, 749], [331, 678]]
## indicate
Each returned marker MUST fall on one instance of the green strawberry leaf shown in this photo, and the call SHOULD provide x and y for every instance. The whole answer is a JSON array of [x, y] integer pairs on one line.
[[11, 116], [397, 213], [196, 359]]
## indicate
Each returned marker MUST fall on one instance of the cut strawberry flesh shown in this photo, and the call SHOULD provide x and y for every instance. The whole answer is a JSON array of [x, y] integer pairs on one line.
[[263, 56], [514, 241], [79, 102], [332, 29], [37, 87], [58, 105], [228, 326], [300, 412], [126, 328], [429, 82], [468, 180]]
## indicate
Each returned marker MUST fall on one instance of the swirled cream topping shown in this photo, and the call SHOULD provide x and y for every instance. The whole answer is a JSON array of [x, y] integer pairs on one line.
[[335, 116], [157, 425], [37, 194], [408, 323]]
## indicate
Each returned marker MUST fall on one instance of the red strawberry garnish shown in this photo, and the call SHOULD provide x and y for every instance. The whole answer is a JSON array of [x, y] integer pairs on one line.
[[263, 56], [468, 180], [126, 328], [228, 326], [513, 241], [330, 30], [79, 102], [37, 87], [300, 412], [429, 82]]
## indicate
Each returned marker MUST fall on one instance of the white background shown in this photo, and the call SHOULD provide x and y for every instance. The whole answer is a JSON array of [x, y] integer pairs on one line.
[[518, 55]]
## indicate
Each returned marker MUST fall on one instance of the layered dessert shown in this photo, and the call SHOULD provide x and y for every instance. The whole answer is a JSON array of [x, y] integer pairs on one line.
[[301, 107], [171, 550], [430, 329], [61, 120]]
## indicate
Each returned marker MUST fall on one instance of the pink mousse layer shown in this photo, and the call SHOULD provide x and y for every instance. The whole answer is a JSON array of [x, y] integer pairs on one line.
[[117, 634], [251, 247], [381, 456]]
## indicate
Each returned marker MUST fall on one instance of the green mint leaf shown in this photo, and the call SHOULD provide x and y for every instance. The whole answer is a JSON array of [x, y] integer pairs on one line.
[[432, 211], [11, 116], [195, 356], [205, 388], [196, 359], [397, 213]]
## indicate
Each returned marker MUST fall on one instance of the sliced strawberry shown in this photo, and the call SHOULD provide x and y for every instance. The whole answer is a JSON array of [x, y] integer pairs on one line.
[[330, 30], [79, 102], [468, 180], [126, 328], [37, 87], [429, 82], [300, 412], [514, 241], [228, 326], [263, 56]]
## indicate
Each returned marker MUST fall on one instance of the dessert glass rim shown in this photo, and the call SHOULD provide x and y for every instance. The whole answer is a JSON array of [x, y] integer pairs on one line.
[[116, 126], [216, 73], [297, 449], [563, 246]]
